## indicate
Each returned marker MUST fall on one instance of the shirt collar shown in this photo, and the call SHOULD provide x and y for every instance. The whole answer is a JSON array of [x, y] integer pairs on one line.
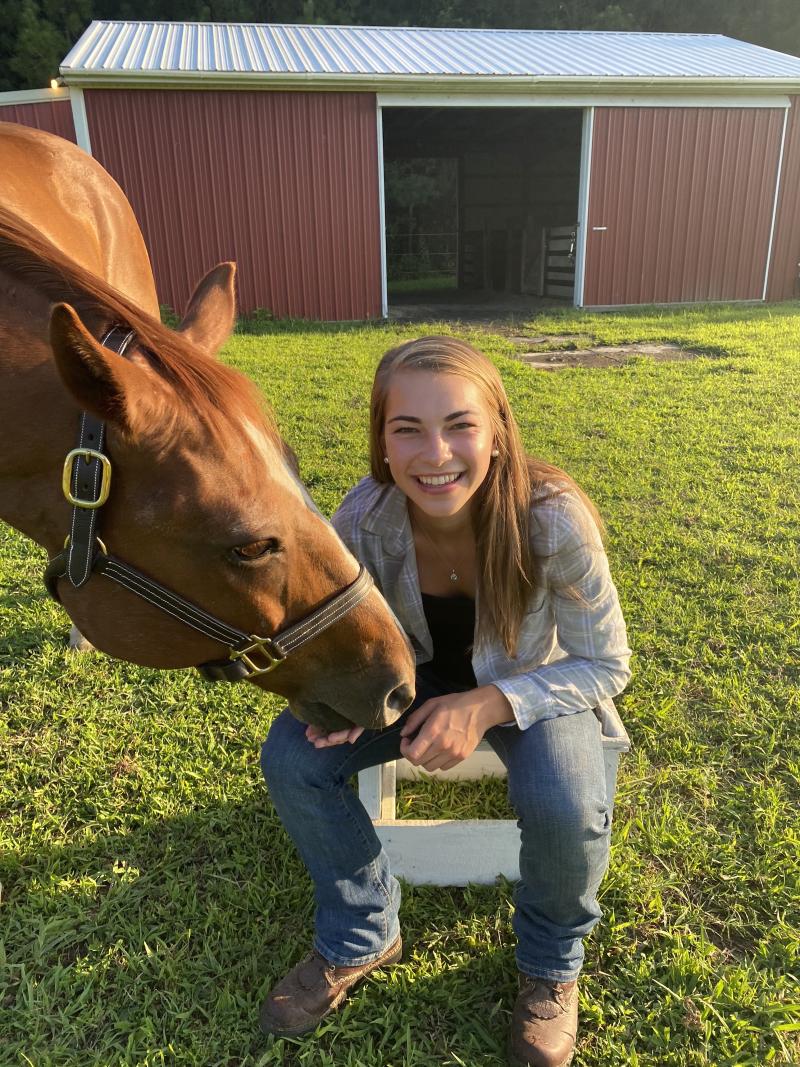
[[388, 518]]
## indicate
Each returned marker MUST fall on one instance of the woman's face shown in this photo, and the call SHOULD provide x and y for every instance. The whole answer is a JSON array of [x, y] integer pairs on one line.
[[439, 439]]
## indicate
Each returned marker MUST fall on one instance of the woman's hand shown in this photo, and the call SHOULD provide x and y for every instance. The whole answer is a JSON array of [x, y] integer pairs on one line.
[[319, 739], [451, 726]]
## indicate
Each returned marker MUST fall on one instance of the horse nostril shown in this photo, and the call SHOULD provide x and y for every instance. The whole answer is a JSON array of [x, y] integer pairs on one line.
[[400, 698]]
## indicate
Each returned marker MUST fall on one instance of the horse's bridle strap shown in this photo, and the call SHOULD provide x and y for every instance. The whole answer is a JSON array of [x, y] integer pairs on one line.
[[245, 648], [86, 480]]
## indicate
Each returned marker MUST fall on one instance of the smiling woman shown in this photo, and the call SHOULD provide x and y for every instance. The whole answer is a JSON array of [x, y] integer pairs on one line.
[[493, 562]]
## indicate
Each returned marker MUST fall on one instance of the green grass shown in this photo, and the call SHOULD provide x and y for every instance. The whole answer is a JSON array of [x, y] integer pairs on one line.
[[150, 896]]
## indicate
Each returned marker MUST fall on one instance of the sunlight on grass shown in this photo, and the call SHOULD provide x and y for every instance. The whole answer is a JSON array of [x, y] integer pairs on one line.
[[150, 896]]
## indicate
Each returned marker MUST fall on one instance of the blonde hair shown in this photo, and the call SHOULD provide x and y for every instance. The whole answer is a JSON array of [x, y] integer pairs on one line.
[[515, 481]]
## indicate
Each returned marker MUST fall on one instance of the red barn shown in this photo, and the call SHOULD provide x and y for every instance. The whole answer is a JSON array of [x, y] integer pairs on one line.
[[670, 162]]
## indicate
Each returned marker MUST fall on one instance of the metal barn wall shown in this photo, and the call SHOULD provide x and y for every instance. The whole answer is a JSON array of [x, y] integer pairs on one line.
[[284, 183], [784, 275], [680, 204], [55, 116]]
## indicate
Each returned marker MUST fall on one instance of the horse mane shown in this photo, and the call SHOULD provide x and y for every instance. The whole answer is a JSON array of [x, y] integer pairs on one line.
[[209, 389]]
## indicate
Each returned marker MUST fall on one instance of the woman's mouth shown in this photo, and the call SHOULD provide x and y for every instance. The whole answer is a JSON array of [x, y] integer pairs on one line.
[[437, 481]]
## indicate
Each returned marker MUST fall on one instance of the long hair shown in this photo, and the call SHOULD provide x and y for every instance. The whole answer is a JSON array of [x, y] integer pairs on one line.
[[507, 571]]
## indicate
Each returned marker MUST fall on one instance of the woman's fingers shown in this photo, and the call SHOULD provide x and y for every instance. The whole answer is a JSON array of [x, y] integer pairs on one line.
[[417, 718], [319, 739]]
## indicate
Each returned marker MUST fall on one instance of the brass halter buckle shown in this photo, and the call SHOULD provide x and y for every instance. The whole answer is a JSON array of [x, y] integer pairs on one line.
[[105, 481], [264, 645]]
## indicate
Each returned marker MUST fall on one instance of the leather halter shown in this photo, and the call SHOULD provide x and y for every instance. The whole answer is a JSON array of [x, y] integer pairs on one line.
[[86, 483]]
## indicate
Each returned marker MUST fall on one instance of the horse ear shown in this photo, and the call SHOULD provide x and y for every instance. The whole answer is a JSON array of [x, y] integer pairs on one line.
[[115, 389], [211, 312]]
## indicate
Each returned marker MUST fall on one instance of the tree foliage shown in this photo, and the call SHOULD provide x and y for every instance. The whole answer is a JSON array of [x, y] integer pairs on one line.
[[35, 35]]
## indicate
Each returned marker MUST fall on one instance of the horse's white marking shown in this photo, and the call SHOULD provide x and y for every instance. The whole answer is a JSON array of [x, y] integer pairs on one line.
[[277, 467]]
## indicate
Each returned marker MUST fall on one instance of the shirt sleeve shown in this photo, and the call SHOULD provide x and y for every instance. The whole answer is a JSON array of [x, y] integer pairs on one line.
[[589, 627]]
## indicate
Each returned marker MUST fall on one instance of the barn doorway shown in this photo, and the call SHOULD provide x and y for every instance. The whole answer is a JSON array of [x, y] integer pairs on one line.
[[480, 205]]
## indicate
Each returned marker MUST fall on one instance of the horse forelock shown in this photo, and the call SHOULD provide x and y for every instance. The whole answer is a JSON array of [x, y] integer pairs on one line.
[[204, 389]]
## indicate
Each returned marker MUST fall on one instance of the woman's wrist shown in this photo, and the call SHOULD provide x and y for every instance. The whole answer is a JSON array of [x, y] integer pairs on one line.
[[496, 708]]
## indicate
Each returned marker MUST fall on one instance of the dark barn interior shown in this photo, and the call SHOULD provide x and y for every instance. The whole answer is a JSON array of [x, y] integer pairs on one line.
[[481, 200]]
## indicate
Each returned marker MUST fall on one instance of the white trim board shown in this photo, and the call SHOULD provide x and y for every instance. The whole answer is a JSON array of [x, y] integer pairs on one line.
[[80, 121], [775, 206], [587, 133], [382, 218], [581, 100], [33, 96]]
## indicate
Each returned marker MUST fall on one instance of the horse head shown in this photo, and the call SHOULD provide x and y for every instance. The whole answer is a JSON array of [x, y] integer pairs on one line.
[[206, 500]]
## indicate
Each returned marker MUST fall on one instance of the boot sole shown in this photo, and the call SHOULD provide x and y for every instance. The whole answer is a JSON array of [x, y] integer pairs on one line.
[[278, 1031]]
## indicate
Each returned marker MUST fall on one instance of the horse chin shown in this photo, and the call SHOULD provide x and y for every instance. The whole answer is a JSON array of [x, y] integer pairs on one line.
[[320, 715]]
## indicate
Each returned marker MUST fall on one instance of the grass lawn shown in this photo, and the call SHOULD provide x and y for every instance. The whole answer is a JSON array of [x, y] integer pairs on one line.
[[150, 897]]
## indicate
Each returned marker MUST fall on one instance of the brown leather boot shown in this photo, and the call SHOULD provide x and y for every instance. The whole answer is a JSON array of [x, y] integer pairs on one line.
[[312, 989], [544, 1023]]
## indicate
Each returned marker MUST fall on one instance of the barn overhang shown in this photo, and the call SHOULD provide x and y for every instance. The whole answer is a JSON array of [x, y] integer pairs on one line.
[[586, 88]]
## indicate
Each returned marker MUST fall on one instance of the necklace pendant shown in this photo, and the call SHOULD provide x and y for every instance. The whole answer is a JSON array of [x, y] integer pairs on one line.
[[453, 576]]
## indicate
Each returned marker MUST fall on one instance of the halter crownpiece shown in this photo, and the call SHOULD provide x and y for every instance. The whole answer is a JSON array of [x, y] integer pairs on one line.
[[86, 483]]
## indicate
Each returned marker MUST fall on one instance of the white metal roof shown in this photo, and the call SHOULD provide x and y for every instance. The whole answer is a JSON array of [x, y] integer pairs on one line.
[[384, 56]]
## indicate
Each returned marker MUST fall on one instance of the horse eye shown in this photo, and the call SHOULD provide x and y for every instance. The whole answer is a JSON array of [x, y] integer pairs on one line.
[[257, 549]]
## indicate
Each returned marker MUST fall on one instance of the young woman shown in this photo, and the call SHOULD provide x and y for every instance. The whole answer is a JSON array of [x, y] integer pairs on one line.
[[493, 563]]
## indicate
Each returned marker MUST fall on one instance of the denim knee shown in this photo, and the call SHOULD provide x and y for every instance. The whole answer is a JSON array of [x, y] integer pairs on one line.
[[561, 808], [289, 762], [282, 754]]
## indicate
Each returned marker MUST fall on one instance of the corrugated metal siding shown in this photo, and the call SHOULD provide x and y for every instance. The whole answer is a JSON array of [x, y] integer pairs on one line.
[[686, 198], [55, 116], [241, 48], [286, 184], [784, 280]]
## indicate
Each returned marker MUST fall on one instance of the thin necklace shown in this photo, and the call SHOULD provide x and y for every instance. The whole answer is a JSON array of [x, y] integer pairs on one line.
[[436, 549]]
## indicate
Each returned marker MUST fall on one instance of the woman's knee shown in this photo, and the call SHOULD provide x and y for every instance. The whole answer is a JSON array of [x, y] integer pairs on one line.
[[283, 752]]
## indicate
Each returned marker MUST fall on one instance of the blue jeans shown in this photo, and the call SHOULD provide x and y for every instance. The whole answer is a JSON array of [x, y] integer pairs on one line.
[[556, 785]]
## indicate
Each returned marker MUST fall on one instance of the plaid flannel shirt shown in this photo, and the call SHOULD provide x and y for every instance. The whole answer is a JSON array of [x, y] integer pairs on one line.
[[572, 653]]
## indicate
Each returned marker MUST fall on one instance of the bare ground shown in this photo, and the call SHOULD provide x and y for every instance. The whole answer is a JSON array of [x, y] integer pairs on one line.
[[556, 352]]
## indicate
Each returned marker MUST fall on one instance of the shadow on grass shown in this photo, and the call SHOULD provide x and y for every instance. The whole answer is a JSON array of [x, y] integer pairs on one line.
[[189, 920]]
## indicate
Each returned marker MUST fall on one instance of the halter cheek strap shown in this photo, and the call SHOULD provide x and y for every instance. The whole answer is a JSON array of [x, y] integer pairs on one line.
[[86, 483]]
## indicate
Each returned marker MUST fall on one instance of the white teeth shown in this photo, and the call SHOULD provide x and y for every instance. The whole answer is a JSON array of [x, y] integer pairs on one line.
[[439, 479]]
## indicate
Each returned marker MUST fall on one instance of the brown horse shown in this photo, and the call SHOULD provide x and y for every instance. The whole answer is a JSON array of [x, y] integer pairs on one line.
[[204, 498]]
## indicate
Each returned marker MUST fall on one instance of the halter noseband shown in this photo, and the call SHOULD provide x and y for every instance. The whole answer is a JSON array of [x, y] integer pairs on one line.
[[86, 483]]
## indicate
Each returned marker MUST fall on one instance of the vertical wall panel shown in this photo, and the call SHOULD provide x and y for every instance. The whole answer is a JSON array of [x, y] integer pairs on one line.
[[285, 183], [54, 116], [680, 204], [784, 275]]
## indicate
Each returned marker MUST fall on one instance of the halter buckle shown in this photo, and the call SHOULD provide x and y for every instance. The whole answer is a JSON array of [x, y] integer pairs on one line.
[[105, 480], [264, 645]]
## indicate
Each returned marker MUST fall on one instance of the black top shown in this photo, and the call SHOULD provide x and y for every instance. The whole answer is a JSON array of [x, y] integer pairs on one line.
[[451, 621]]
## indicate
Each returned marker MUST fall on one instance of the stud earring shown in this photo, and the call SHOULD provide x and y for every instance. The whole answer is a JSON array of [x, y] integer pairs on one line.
[[495, 452], [385, 459]]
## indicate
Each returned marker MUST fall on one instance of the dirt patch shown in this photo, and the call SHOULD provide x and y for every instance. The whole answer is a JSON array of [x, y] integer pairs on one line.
[[546, 356]]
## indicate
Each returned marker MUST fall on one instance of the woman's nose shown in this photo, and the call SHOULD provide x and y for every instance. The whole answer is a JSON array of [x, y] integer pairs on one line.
[[438, 450]]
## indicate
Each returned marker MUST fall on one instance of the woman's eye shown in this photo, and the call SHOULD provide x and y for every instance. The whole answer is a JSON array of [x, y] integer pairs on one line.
[[257, 549]]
